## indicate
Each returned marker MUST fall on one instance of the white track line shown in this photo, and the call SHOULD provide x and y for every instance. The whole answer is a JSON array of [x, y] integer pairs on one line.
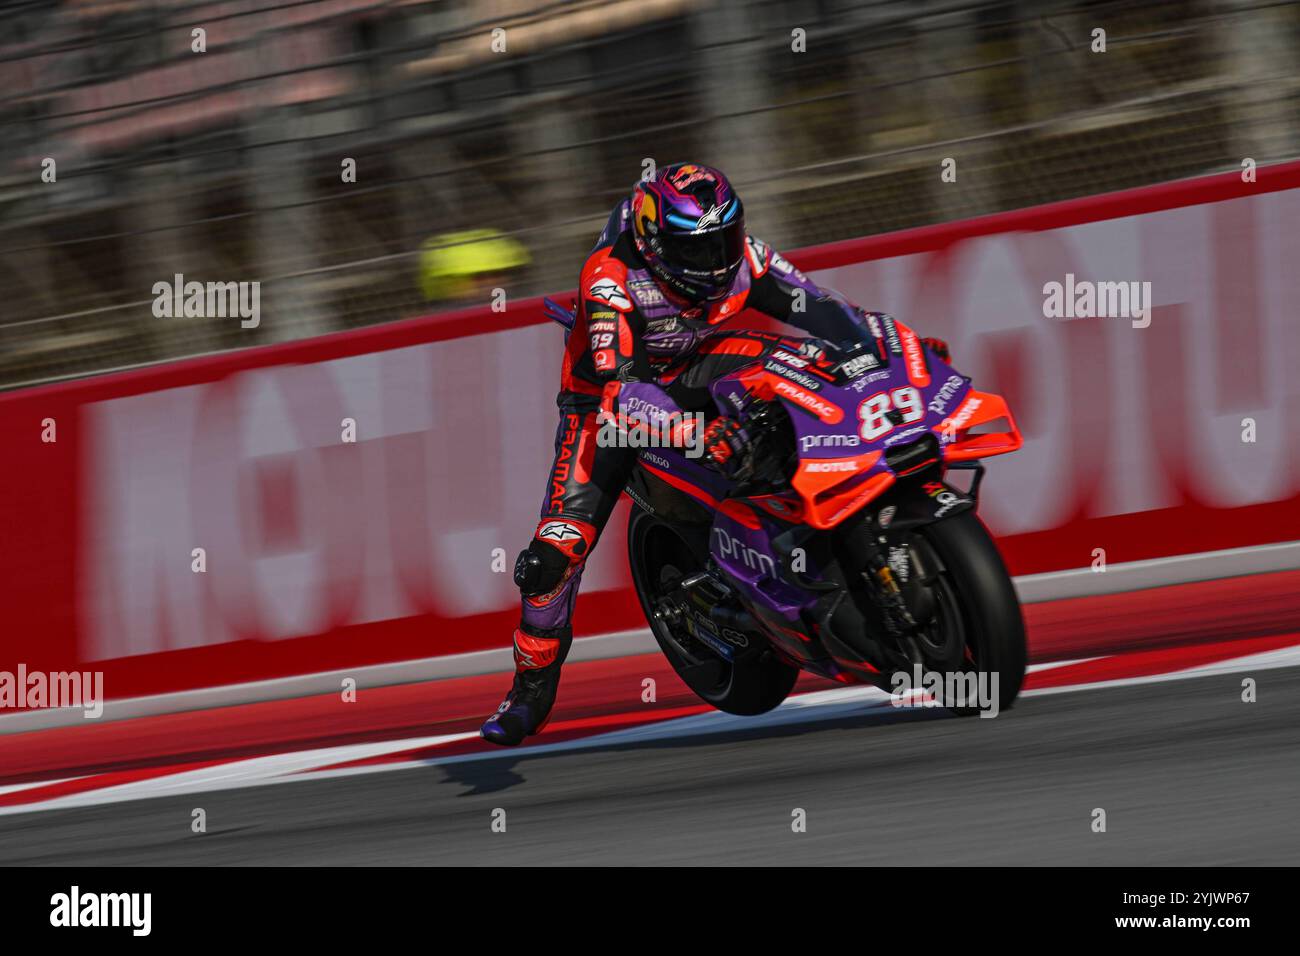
[[818, 706], [1032, 589], [15, 787]]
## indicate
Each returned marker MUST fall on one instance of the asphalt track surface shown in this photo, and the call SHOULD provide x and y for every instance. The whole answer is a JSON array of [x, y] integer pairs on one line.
[[1187, 773]]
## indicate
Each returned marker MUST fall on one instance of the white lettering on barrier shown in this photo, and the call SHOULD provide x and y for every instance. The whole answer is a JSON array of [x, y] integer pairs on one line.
[[304, 534]]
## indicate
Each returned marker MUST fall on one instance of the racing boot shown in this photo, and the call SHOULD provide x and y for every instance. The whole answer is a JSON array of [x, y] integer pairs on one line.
[[527, 708]]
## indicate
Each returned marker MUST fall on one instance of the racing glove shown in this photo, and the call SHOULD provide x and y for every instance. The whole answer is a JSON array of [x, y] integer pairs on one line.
[[939, 347], [726, 445]]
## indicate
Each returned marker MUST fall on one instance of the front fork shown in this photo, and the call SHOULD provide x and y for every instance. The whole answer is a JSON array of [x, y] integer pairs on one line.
[[869, 549], [907, 608]]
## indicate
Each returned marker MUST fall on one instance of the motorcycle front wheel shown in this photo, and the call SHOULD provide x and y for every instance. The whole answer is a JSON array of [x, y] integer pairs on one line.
[[975, 625]]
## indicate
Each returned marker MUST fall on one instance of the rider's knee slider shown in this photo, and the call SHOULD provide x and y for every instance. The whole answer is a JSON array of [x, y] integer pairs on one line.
[[558, 545], [539, 568]]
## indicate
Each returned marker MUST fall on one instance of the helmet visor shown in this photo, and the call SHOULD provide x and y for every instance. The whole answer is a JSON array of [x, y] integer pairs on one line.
[[705, 254]]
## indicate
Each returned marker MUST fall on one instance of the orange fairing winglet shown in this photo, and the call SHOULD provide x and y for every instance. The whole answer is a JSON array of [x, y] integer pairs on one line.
[[818, 479], [979, 408]]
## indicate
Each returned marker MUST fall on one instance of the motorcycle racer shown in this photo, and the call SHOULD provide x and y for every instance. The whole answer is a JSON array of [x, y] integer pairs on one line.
[[673, 263]]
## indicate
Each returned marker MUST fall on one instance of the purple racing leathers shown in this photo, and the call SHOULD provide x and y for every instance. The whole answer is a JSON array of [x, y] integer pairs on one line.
[[635, 371]]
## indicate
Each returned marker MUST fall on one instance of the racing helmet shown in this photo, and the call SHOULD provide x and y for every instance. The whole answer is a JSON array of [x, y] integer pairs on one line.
[[689, 227]]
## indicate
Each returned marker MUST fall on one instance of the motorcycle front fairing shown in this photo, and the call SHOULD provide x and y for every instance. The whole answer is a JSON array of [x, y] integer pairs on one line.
[[868, 420], [874, 430]]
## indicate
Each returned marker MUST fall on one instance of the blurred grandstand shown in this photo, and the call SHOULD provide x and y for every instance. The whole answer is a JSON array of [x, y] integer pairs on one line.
[[226, 164]]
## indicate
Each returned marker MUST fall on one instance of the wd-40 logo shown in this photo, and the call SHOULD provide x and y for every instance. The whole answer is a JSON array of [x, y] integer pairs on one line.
[[798, 361]]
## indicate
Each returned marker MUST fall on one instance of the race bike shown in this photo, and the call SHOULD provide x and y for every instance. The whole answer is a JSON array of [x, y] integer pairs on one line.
[[839, 545]]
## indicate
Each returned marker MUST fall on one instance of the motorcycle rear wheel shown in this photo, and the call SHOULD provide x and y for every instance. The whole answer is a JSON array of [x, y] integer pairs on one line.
[[660, 557]]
